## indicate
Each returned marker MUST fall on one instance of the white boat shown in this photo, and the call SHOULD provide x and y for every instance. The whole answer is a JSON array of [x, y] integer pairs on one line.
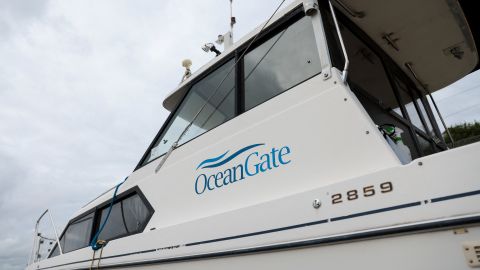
[[275, 157]]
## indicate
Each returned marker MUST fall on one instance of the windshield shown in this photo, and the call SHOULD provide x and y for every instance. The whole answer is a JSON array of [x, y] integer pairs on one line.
[[218, 109], [284, 58]]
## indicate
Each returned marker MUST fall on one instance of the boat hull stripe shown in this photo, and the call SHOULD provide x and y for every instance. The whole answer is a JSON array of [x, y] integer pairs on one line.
[[387, 209], [259, 233], [437, 225], [355, 236], [456, 196]]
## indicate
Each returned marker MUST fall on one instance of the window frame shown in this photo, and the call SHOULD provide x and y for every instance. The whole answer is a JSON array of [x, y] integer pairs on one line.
[[70, 222], [267, 37], [126, 195], [392, 70], [81, 219], [96, 210], [275, 27], [171, 116]]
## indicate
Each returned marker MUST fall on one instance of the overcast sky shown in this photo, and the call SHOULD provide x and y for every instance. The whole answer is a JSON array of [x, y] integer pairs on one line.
[[81, 87]]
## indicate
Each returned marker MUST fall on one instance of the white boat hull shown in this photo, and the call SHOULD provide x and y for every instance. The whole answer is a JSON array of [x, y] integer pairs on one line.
[[427, 250]]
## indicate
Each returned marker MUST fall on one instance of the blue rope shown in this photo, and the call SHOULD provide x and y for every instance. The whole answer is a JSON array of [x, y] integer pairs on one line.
[[94, 241]]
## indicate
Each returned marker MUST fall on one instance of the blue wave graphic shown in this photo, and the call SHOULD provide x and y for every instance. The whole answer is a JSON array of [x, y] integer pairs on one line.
[[234, 155], [211, 160]]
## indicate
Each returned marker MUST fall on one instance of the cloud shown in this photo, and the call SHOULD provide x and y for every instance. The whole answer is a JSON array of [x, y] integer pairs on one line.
[[16, 15], [12, 244], [81, 88], [460, 101]]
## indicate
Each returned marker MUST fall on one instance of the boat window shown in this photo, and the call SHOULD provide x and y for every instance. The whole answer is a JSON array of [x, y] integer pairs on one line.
[[283, 61], [219, 108], [76, 236], [128, 216], [55, 252]]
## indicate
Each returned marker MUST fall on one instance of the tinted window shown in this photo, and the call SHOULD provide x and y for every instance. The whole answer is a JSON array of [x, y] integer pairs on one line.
[[218, 109], [77, 235], [55, 251], [128, 216], [280, 63]]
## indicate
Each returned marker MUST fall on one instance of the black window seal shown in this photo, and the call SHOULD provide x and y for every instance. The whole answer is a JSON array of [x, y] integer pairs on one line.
[[275, 27], [165, 124], [239, 85], [96, 217], [123, 216], [170, 117], [124, 195], [293, 20], [71, 222]]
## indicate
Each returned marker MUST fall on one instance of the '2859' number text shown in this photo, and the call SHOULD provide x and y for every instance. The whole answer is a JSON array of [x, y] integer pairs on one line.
[[367, 191]]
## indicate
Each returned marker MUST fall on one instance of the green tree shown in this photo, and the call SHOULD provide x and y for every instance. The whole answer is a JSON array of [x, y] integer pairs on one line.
[[463, 133]]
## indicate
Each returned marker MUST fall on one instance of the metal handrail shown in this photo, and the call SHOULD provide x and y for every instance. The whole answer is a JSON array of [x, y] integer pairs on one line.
[[347, 62], [56, 234], [33, 253], [36, 237]]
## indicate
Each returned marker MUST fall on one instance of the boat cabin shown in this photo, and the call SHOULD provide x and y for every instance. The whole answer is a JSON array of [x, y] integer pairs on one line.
[[396, 58], [285, 110]]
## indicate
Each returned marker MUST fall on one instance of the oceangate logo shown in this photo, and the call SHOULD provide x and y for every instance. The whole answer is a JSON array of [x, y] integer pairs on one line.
[[256, 162]]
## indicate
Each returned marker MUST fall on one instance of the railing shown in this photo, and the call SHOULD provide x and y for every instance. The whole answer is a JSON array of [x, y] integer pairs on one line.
[[39, 239], [342, 44]]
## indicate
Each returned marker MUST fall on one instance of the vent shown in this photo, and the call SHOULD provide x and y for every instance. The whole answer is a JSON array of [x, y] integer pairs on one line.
[[471, 250]]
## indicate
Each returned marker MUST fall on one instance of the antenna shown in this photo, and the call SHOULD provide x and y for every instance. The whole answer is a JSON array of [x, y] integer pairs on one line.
[[227, 38], [233, 20]]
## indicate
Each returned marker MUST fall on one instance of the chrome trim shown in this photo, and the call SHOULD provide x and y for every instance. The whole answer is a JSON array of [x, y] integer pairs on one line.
[[56, 233], [37, 238], [347, 62]]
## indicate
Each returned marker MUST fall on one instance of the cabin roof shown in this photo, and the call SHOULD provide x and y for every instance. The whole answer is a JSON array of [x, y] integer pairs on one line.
[[433, 36]]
